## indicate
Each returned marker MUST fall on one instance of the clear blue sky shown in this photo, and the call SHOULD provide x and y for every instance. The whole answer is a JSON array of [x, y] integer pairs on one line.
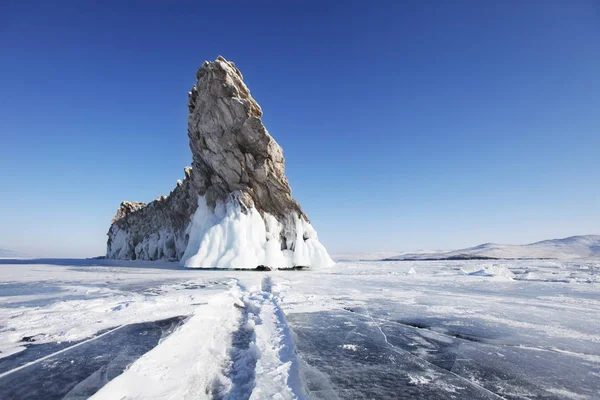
[[405, 124]]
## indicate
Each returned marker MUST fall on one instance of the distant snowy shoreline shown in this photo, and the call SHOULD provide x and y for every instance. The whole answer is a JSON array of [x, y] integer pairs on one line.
[[574, 247]]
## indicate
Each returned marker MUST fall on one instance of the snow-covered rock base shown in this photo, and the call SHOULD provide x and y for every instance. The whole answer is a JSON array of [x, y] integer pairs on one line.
[[228, 236], [231, 236]]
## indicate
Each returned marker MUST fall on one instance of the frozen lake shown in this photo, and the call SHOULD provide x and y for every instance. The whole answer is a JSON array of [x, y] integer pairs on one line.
[[432, 330]]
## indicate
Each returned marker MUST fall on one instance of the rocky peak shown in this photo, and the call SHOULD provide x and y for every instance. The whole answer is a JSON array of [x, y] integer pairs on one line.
[[126, 208], [234, 208], [231, 148]]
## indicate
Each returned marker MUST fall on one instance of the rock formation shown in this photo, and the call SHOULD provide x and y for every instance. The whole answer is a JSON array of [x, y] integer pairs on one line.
[[234, 209]]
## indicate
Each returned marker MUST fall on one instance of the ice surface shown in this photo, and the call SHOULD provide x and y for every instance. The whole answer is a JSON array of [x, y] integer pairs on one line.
[[180, 367], [76, 370], [435, 330]]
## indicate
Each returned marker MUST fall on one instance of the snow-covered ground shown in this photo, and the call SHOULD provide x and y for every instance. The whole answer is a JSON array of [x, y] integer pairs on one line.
[[442, 329]]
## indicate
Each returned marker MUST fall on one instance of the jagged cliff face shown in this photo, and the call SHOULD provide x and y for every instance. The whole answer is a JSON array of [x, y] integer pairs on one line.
[[231, 148], [156, 230], [234, 208]]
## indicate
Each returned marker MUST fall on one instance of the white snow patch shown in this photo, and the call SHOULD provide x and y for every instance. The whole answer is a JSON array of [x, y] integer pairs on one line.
[[499, 271], [95, 308], [418, 380], [566, 394], [277, 369], [189, 363]]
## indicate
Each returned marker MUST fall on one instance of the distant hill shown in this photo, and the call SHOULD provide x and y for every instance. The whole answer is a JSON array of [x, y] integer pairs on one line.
[[11, 254], [567, 248]]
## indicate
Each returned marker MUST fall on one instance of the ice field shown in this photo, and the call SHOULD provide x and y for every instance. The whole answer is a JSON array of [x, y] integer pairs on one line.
[[525, 329]]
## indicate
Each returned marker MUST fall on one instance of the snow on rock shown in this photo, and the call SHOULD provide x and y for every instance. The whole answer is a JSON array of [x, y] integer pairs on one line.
[[230, 236], [156, 230], [234, 209]]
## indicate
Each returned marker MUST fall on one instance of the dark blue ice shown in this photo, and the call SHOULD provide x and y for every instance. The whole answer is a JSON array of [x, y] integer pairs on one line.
[[389, 358], [79, 372]]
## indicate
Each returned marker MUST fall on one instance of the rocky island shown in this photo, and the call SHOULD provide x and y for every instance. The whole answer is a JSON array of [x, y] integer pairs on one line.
[[234, 207]]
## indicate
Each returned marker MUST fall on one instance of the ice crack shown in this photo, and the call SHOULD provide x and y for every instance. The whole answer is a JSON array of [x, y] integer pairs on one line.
[[406, 353]]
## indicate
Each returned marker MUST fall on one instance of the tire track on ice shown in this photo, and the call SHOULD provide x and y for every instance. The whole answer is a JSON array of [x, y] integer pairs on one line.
[[237, 346], [243, 353], [263, 361]]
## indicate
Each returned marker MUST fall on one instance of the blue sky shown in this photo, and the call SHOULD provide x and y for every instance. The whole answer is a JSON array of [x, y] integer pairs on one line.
[[405, 124]]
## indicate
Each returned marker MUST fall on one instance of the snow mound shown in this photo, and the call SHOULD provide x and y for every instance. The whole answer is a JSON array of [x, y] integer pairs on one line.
[[490, 270]]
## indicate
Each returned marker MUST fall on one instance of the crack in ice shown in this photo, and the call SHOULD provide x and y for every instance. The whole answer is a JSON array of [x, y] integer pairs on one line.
[[2, 375], [404, 352]]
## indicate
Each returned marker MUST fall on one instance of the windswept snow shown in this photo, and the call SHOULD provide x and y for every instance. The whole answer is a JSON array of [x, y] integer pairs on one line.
[[386, 330], [69, 304], [573, 247], [180, 367], [266, 367]]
